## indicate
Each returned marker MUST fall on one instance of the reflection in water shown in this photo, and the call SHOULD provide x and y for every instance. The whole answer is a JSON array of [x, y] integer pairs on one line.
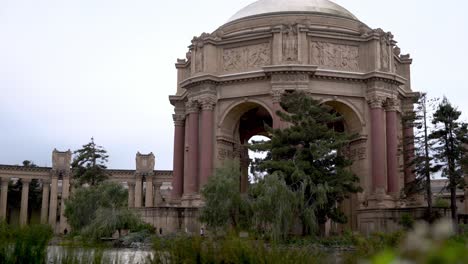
[[58, 254]]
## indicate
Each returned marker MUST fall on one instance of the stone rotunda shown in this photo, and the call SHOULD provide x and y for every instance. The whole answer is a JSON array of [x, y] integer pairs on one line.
[[231, 81]]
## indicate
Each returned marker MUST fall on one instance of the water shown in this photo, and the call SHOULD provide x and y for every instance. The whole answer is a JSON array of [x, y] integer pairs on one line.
[[57, 254]]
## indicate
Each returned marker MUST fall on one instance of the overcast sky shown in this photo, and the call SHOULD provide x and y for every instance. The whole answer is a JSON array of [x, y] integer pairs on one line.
[[73, 69]]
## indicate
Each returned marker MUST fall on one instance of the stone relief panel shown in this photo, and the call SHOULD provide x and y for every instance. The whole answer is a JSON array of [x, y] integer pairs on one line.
[[334, 56], [246, 58]]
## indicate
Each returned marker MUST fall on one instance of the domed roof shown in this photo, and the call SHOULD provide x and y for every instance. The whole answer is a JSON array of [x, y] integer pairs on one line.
[[263, 7]]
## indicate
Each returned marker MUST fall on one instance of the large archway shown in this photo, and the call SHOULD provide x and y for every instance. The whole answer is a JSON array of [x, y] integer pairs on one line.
[[242, 122]]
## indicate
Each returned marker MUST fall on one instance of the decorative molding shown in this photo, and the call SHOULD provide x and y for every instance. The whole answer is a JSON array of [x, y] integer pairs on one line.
[[334, 56], [247, 57]]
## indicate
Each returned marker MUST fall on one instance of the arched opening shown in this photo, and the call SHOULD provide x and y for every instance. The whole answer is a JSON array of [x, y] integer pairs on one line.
[[242, 123]]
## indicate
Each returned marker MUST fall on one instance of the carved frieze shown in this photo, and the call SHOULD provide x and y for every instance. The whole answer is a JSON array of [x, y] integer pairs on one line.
[[290, 41], [335, 56], [285, 78], [247, 57]]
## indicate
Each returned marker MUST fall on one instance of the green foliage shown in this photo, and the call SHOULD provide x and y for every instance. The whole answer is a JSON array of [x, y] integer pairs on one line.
[[224, 205], [24, 245], [183, 249], [441, 203], [310, 156], [273, 206], [407, 221], [89, 164], [451, 136], [81, 208]]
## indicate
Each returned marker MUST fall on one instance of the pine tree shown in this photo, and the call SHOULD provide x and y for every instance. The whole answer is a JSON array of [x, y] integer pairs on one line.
[[89, 164], [451, 137], [421, 151], [310, 156]]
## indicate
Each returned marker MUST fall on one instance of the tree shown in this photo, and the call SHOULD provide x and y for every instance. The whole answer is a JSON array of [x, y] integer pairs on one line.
[[89, 164], [224, 205], [451, 136], [310, 157], [421, 151], [82, 206]]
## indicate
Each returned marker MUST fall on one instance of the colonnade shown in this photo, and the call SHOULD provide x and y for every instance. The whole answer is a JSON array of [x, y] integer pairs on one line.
[[193, 147], [384, 144], [145, 191], [49, 204]]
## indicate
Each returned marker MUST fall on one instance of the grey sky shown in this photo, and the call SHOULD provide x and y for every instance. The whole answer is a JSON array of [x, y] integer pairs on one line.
[[73, 69]]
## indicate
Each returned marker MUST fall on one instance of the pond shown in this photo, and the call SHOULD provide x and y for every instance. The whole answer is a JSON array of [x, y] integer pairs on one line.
[[59, 254]]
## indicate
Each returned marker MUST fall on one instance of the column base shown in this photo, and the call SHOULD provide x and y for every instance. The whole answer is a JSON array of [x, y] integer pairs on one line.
[[380, 199], [192, 200]]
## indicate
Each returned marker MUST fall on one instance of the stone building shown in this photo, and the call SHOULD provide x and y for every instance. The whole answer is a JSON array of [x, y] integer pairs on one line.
[[231, 81], [230, 84], [147, 188]]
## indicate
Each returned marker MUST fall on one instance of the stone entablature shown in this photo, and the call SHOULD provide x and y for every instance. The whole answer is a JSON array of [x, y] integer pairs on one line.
[[56, 183]]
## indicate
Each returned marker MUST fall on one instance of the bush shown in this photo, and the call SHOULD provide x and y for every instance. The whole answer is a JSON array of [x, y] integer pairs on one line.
[[24, 245], [406, 221]]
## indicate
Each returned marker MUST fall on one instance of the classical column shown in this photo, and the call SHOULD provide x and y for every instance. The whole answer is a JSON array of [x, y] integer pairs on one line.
[[149, 191], [191, 181], [138, 191], [276, 94], [53, 202], [392, 145], [378, 142], [24, 202], [179, 142], [245, 162], [157, 194], [65, 195], [207, 138], [45, 201], [3, 197], [131, 194]]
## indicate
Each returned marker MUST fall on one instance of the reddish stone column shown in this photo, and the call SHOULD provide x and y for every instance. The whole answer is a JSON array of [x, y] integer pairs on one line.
[[179, 142], [277, 123], [191, 181], [207, 137], [378, 143], [392, 146]]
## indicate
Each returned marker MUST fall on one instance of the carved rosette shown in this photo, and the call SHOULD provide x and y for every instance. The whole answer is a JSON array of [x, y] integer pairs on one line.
[[179, 120], [376, 101], [192, 106], [393, 104]]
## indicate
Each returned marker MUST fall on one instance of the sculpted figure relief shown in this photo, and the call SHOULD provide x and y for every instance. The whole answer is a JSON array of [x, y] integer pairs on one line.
[[335, 56], [247, 58], [290, 43]]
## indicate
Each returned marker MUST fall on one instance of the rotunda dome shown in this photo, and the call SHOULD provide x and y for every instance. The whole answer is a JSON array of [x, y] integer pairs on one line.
[[263, 7]]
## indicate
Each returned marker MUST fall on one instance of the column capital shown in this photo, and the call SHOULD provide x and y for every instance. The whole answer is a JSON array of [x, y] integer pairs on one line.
[[208, 103], [376, 101], [132, 184], [192, 106], [179, 120], [393, 105], [26, 180], [46, 181], [277, 94]]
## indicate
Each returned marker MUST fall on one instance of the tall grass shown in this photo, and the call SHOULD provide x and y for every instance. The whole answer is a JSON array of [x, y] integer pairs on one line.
[[182, 249], [24, 245]]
